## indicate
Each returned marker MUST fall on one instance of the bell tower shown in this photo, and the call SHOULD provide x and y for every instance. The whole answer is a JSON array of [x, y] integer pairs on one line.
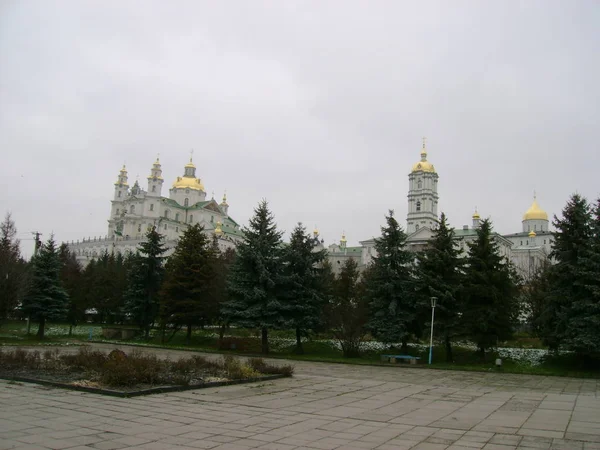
[[155, 179], [121, 186], [422, 195]]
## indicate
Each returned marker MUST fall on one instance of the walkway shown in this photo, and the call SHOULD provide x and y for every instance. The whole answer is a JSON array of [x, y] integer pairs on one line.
[[324, 406]]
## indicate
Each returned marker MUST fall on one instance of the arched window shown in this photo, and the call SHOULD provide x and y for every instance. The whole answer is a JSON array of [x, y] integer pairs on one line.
[[418, 207], [151, 206], [419, 184], [177, 217], [118, 211], [417, 227], [132, 209], [154, 188], [186, 202], [119, 194], [167, 214], [140, 228], [191, 219], [165, 226]]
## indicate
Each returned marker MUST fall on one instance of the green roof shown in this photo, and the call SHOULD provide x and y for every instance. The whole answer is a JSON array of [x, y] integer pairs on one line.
[[230, 227], [348, 251]]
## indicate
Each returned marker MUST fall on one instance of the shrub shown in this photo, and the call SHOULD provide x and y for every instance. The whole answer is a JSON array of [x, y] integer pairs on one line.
[[236, 370], [85, 359], [137, 368], [259, 365]]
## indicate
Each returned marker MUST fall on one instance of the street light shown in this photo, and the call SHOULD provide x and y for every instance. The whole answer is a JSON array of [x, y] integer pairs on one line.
[[433, 301]]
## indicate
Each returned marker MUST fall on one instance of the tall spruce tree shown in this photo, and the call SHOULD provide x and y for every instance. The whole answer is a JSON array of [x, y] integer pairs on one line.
[[571, 239], [145, 278], [256, 279], [46, 298], [188, 294], [582, 330], [302, 297], [12, 269], [440, 275], [390, 286], [534, 294], [490, 306], [347, 308], [71, 276]]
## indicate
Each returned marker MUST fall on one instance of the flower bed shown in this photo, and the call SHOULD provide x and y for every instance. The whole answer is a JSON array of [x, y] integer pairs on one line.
[[130, 374]]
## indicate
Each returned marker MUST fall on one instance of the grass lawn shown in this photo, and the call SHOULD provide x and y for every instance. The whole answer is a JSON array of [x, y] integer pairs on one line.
[[282, 342]]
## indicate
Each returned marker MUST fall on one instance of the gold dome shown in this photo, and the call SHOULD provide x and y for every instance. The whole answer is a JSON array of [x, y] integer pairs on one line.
[[343, 237], [476, 215], [188, 183], [532, 234], [535, 212], [423, 165], [218, 229]]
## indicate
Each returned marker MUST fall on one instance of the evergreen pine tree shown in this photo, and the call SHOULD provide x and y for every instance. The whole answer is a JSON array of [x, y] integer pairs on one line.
[[582, 334], [571, 238], [12, 269], [391, 286], [46, 298], [255, 282], [303, 299], [534, 294], [491, 308], [145, 277], [347, 308], [71, 276], [188, 294], [223, 263], [440, 275]]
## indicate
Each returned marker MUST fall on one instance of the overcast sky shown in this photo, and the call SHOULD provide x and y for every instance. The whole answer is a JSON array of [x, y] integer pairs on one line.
[[317, 106]]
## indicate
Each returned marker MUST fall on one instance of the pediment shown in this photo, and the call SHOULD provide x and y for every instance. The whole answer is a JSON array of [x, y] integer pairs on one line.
[[422, 234], [213, 206]]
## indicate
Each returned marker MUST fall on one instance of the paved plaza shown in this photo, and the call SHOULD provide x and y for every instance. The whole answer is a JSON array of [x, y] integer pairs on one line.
[[324, 406]]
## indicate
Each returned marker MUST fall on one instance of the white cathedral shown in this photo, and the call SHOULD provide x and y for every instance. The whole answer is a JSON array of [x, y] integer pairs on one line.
[[134, 210], [527, 249]]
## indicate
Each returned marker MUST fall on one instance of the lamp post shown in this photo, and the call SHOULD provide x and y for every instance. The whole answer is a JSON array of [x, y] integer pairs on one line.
[[433, 301]]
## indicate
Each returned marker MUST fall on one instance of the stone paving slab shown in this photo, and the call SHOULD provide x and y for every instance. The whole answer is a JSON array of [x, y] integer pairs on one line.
[[324, 406]]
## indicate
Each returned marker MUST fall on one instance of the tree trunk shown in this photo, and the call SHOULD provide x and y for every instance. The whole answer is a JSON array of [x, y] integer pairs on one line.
[[163, 333], [28, 326], [188, 336], [299, 348], [70, 330], [265, 341], [449, 356], [404, 347], [481, 352], [41, 329]]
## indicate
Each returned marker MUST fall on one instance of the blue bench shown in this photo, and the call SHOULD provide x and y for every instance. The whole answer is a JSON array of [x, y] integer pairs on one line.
[[397, 358]]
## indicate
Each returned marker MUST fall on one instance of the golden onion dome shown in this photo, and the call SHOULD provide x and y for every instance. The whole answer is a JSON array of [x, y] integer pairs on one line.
[[316, 231], [218, 229], [535, 212], [423, 165], [532, 234], [476, 215], [343, 237], [188, 183]]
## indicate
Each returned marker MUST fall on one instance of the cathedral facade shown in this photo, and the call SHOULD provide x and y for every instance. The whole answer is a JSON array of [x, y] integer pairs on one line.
[[135, 210], [527, 250]]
